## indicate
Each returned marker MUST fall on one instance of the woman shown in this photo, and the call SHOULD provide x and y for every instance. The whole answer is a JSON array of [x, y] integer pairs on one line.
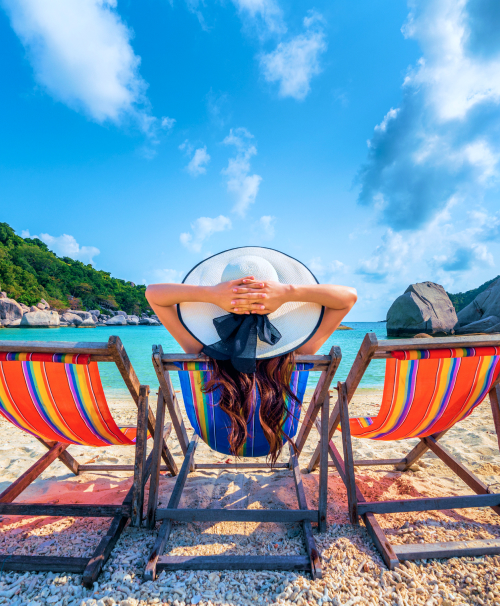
[[274, 307]]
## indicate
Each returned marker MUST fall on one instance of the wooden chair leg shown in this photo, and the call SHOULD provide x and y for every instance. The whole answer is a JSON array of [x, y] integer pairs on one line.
[[417, 453], [350, 480], [495, 410], [173, 503], [310, 543], [140, 456], [23, 481], [333, 423], [65, 458], [323, 469], [155, 472]]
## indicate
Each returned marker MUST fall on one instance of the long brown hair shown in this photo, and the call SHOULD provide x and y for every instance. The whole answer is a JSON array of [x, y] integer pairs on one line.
[[236, 398]]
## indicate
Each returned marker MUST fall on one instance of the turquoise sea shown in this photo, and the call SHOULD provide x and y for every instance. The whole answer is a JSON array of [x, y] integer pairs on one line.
[[138, 341]]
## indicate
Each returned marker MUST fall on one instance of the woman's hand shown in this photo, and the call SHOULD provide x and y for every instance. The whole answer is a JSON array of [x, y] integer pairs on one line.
[[259, 297], [224, 296]]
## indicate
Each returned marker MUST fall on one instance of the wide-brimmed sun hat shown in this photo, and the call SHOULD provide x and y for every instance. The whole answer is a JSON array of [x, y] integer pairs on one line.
[[244, 338]]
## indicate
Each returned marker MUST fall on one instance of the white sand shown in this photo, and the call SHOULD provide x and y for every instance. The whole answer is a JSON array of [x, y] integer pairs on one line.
[[353, 569]]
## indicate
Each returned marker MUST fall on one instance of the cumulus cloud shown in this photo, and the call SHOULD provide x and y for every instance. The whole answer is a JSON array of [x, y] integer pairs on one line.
[[66, 246], [265, 14], [199, 158], [203, 228], [442, 143], [294, 63], [168, 123], [240, 184], [81, 55], [441, 250], [198, 163]]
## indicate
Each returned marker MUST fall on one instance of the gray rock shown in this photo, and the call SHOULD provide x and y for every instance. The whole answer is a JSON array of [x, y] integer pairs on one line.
[[34, 308], [10, 310], [43, 304], [3, 295], [117, 321], [493, 330], [478, 326], [25, 308], [88, 323], [71, 318], [40, 318], [95, 312], [10, 323], [121, 313], [424, 307], [84, 315], [485, 304], [148, 322], [132, 320]]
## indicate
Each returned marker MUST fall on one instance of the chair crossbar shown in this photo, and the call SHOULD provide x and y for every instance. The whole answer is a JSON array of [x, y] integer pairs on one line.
[[232, 562]]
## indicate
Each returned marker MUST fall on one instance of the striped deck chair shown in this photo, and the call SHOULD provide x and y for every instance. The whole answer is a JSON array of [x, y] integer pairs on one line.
[[53, 392], [430, 386], [210, 424]]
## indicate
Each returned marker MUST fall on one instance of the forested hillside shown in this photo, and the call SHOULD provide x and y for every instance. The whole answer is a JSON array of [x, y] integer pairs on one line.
[[29, 271]]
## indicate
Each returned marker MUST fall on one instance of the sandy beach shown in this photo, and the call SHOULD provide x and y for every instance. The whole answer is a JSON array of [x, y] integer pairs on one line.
[[353, 572]]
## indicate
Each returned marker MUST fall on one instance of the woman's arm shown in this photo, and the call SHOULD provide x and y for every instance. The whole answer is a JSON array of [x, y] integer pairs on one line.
[[164, 299], [338, 301], [245, 296]]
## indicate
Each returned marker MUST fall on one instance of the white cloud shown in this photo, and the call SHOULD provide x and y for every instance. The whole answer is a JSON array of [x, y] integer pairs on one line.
[[320, 268], [197, 165], [266, 13], [167, 123], [441, 143], [265, 227], [293, 64], [163, 276], [243, 186], [202, 229], [66, 246], [81, 55]]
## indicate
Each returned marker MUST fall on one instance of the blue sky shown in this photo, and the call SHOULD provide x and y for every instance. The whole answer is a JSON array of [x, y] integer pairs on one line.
[[361, 138]]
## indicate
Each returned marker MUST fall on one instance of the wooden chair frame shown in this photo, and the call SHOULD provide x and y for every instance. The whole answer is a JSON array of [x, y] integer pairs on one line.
[[132, 505], [320, 402], [372, 349]]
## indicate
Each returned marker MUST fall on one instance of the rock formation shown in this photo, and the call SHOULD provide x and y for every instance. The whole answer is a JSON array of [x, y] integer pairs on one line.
[[10, 311], [40, 319], [480, 315], [424, 307]]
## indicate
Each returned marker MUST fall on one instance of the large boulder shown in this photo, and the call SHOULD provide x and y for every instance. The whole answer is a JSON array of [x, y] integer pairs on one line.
[[10, 310], [132, 320], [41, 319], [70, 318], [481, 325], [487, 303], [148, 322], [117, 321], [121, 313], [424, 307]]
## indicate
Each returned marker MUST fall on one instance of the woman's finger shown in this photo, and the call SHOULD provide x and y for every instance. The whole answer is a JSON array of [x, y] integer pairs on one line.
[[247, 296], [249, 288]]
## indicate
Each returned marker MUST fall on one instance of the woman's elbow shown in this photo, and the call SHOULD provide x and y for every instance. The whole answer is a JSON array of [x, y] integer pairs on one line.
[[351, 297]]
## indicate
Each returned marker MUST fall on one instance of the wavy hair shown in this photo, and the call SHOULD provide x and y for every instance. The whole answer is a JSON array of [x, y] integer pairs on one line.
[[236, 398]]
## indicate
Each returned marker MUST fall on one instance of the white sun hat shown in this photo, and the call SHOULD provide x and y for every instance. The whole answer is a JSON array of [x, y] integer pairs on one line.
[[296, 322]]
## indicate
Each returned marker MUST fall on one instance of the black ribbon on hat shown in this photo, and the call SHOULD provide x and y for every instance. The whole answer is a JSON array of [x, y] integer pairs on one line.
[[238, 333]]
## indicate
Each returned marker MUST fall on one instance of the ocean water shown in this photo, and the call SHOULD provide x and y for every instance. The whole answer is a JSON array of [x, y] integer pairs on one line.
[[138, 342]]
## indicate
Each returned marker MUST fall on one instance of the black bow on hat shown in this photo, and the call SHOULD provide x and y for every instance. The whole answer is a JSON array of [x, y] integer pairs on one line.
[[238, 333]]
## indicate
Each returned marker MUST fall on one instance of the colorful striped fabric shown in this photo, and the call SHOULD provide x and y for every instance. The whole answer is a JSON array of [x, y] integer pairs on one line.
[[428, 394], [212, 424], [434, 354], [59, 402], [45, 357]]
